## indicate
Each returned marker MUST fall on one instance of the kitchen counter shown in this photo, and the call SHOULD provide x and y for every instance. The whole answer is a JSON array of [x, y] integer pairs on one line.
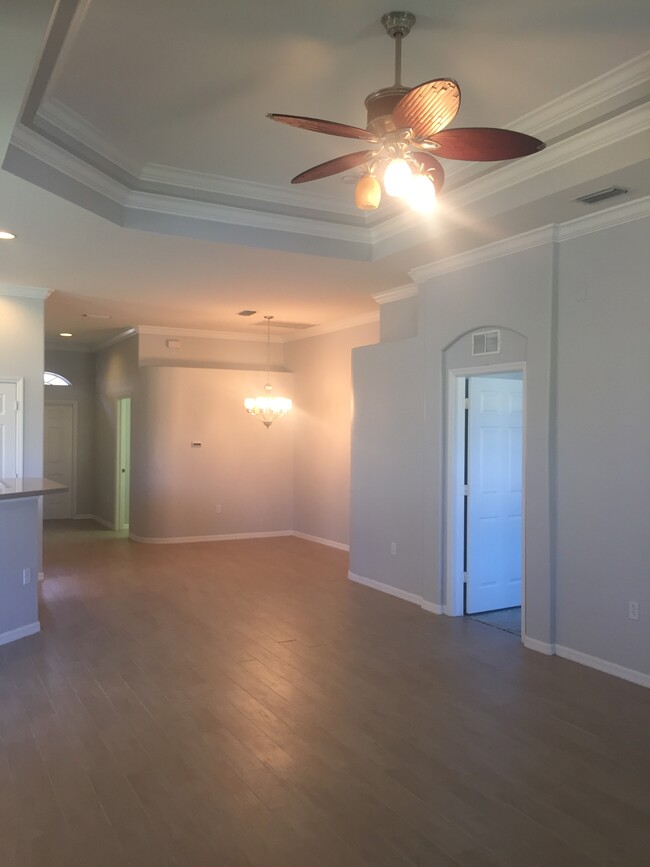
[[12, 489]]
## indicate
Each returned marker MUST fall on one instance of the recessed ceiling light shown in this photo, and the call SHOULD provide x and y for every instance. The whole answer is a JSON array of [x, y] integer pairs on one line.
[[6, 236], [65, 334]]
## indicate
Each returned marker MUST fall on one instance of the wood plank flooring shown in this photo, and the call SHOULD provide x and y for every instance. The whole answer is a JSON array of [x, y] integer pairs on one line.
[[241, 704]]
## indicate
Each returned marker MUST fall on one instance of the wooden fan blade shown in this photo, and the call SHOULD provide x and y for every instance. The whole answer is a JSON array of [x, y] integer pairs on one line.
[[433, 169], [333, 167], [429, 107], [485, 144], [329, 127]]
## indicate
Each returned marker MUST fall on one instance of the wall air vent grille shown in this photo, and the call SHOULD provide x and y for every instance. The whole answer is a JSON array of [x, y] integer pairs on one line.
[[601, 195], [486, 342]]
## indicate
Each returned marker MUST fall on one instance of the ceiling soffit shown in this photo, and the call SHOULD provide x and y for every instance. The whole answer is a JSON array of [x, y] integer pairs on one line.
[[62, 152]]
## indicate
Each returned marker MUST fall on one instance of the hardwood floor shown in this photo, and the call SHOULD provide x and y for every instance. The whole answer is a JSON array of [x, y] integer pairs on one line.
[[241, 704]]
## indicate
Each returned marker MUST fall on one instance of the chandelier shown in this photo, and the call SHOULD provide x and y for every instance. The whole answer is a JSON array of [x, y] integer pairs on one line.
[[266, 407]]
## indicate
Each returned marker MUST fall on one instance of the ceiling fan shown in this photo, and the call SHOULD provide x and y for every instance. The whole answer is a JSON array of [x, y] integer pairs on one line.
[[406, 126]]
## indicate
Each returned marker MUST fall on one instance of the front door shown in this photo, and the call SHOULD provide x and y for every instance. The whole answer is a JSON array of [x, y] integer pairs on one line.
[[494, 497], [58, 458]]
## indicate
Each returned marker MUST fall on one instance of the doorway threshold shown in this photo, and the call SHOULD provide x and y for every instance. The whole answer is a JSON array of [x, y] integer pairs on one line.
[[506, 619]]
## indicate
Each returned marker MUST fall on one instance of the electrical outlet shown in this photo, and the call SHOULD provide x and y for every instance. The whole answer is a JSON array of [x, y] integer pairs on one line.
[[633, 610], [27, 576], [218, 509], [393, 547]]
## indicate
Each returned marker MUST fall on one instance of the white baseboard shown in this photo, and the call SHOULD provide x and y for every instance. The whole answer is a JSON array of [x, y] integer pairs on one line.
[[431, 607], [538, 646], [329, 542], [604, 665], [20, 632], [226, 537], [396, 591], [578, 656], [101, 521]]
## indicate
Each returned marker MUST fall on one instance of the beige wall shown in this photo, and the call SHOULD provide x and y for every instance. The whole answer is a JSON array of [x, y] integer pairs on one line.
[[294, 476], [322, 419], [240, 354], [242, 466]]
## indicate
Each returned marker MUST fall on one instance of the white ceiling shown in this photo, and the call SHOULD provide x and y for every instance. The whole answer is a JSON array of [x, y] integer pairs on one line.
[[144, 181]]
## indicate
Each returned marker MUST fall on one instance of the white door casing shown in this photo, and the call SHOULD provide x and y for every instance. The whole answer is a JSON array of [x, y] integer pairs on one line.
[[123, 463], [11, 430], [59, 457], [494, 508]]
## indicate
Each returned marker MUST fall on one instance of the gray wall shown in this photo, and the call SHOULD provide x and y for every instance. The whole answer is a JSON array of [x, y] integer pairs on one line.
[[579, 311], [79, 369], [116, 376], [21, 355], [603, 487], [387, 484], [322, 415]]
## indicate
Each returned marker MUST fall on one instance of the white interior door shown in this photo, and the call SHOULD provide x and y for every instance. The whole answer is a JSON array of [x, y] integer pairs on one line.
[[494, 500], [58, 458], [8, 429]]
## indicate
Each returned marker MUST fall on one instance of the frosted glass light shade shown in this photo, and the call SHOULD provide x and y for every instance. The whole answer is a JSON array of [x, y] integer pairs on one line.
[[367, 193], [397, 178], [421, 195], [268, 408]]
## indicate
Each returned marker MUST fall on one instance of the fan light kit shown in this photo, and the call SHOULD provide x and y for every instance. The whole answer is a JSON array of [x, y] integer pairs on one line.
[[267, 407], [407, 125]]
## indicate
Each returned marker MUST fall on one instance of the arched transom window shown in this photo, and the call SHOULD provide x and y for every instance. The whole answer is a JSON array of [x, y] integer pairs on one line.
[[50, 378]]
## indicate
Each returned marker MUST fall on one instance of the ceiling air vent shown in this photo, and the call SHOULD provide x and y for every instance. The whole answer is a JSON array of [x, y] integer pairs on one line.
[[247, 312], [485, 342], [601, 195]]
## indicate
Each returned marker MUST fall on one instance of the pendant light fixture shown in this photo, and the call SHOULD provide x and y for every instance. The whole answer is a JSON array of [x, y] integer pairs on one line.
[[266, 407]]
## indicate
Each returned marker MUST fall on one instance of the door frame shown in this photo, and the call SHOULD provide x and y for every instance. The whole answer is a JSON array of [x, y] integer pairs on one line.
[[118, 517], [454, 480], [75, 413], [19, 382]]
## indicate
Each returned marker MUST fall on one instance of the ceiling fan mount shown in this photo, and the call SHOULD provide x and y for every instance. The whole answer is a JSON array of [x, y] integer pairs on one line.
[[405, 125]]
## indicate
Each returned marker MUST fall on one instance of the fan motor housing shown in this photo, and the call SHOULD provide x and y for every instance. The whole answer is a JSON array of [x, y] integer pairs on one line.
[[380, 106]]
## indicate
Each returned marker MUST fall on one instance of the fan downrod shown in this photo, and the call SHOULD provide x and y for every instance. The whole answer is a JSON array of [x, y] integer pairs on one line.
[[381, 103]]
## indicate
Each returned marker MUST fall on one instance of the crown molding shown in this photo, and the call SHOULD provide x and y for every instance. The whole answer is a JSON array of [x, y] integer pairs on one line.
[[597, 137], [496, 250], [626, 212], [161, 331], [118, 338], [202, 182], [330, 327], [177, 207], [397, 294], [314, 331], [599, 90], [67, 122], [34, 292], [61, 160], [58, 158]]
